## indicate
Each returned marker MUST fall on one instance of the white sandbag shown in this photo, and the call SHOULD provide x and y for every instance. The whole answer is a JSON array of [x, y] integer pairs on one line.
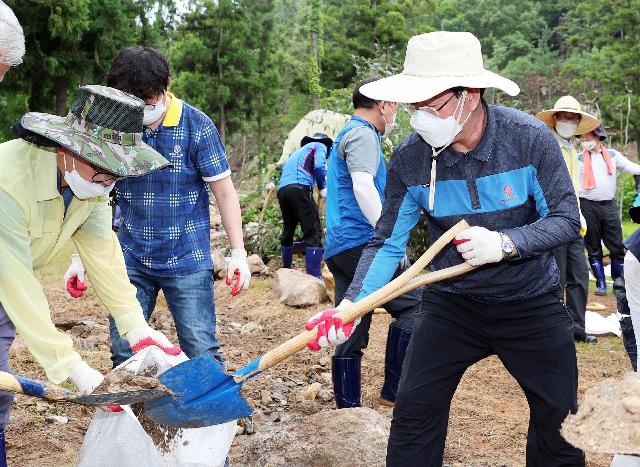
[[121, 434], [595, 323], [622, 460]]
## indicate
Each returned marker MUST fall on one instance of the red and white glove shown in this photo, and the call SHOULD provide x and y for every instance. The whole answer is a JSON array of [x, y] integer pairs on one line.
[[238, 270], [479, 246], [145, 336], [74, 277], [331, 329]]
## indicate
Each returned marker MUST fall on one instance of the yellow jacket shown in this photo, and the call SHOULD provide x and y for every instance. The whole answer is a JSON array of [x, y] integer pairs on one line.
[[574, 165], [33, 228]]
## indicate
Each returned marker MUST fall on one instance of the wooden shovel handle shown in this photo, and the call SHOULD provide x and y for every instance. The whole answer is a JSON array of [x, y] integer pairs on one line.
[[361, 308], [31, 387]]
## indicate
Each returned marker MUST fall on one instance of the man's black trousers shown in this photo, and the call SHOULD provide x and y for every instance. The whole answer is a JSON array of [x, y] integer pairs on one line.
[[298, 207], [534, 340], [603, 226], [574, 277], [403, 309]]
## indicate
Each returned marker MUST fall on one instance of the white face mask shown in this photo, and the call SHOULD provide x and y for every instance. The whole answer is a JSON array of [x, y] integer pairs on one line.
[[84, 189], [566, 129], [588, 145], [389, 127], [439, 132], [153, 115]]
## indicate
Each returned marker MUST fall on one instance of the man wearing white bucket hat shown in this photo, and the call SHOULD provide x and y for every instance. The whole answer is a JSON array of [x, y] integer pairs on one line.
[[567, 120], [501, 170]]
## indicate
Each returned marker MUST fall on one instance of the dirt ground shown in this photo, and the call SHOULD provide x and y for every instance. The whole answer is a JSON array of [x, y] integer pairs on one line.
[[489, 415]]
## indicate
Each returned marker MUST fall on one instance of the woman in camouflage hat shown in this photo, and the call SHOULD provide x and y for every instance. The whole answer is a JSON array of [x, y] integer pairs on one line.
[[54, 182]]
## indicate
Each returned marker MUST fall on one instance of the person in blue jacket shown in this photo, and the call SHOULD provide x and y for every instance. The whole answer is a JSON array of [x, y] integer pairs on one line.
[[306, 166], [356, 178]]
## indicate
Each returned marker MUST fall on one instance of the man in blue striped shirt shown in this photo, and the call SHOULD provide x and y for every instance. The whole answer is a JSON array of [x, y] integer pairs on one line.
[[501, 170]]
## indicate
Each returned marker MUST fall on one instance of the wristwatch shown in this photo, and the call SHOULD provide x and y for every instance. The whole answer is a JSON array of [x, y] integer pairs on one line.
[[507, 246]]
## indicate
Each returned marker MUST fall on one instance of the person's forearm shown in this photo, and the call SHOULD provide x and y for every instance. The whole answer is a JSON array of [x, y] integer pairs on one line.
[[229, 206]]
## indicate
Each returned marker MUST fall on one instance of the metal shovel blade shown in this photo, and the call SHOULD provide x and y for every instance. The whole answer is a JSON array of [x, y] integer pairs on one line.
[[204, 395], [119, 398]]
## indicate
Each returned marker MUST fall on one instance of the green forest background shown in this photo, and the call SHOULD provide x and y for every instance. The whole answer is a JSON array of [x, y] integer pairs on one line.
[[257, 66]]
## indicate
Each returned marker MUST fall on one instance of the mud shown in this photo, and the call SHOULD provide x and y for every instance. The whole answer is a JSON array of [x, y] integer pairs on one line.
[[122, 381], [163, 437], [608, 421]]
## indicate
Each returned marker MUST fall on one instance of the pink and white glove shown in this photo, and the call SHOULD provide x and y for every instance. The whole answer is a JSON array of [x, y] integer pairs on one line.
[[74, 277], [145, 336], [479, 246], [331, 329], [238, 270]]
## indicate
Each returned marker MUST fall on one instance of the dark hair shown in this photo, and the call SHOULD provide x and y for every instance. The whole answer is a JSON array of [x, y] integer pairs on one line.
[[359, 99], [141, 71]]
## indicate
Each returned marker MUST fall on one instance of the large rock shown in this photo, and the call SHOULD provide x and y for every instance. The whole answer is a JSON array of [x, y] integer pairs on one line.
[[297, 288], [335, 438], [608, 421], [256, 265]]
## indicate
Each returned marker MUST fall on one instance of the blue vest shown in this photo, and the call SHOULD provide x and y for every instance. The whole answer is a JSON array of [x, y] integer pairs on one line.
[[347, 226]]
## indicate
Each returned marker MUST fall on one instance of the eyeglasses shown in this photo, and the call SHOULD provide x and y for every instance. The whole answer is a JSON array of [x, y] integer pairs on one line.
[[427, 108], [103, 177]]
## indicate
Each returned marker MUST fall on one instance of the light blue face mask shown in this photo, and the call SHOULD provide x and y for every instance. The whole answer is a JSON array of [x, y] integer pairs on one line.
[[84, 189]]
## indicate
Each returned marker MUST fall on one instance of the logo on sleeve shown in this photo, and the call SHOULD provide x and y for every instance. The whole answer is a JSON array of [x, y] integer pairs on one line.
[[508, 193]]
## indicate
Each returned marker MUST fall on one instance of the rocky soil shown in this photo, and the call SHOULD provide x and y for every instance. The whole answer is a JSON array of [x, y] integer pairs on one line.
[[489, 414]]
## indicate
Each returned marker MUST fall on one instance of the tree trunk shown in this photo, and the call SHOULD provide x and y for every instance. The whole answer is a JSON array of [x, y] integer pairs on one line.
[[314, 54], [221, 122], [61, 86], [285, 92]]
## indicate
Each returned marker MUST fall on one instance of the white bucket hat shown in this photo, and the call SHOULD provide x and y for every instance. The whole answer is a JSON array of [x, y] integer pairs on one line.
[[435, 62], [569, 104]]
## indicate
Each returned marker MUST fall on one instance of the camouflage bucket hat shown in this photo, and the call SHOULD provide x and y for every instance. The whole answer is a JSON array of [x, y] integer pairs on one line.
[[103, 127]]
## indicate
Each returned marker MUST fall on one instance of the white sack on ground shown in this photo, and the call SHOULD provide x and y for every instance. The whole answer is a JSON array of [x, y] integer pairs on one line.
[[121, 435], [595, 323]]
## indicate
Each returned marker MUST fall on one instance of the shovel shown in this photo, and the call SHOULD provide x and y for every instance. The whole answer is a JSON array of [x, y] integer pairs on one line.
[[206, 395], [55, 393]]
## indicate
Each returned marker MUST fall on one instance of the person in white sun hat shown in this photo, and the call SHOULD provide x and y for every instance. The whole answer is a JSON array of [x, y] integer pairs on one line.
[[567, 120], [501, 170]]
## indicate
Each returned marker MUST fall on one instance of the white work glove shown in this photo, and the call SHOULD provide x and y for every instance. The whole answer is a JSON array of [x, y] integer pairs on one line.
[[145, 336], [269, 186], [331, 330], [74, 277], [405, 263], [583, 226], [323, 193], [479, 246], [238, 269], [85, 378]]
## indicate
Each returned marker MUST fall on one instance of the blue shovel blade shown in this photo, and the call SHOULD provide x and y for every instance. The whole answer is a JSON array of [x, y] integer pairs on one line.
[[204, 395]]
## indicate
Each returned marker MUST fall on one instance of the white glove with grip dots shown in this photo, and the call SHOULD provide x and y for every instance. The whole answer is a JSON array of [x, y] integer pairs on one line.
[[479, 246]]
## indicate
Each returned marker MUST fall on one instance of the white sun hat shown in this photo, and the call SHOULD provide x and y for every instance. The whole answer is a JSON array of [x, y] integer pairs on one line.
[[435, 62]]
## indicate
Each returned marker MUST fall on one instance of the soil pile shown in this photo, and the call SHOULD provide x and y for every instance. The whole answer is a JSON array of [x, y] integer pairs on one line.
[[608, 421]]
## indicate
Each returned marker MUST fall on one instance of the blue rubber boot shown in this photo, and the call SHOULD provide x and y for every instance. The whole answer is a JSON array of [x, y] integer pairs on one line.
[[597, 267], [313, 261], [397, 342], [617, 265], [345, 372], [287, 256], [3, 450]]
